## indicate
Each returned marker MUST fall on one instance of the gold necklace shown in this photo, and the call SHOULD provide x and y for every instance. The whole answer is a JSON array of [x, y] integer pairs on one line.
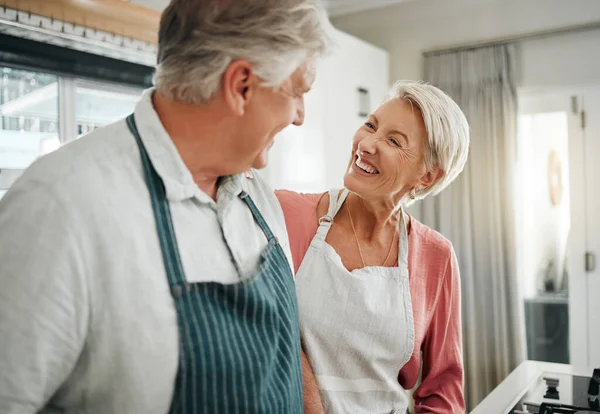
[[362, 259]]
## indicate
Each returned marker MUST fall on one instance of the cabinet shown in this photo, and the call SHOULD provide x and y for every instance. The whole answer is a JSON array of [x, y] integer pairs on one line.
[[547, 327]]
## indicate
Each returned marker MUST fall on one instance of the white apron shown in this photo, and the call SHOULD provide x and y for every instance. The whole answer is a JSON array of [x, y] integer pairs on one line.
[[357, 327]]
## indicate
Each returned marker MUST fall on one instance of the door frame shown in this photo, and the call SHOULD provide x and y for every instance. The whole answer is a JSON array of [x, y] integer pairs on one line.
[[560, 99]]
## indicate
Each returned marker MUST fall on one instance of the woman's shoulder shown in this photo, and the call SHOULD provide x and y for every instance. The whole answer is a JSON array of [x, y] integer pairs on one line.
[[298, 201], [301, 219], [313, 205], [429, 242], [299, 207]]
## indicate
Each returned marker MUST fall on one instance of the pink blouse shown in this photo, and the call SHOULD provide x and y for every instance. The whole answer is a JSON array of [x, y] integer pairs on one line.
[[435, 292]]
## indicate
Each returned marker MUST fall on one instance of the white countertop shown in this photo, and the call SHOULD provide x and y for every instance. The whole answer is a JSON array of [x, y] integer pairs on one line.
[[513, 388]]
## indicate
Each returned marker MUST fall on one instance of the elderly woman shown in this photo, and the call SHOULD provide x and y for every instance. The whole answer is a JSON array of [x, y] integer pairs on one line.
[[141, 271], [379, 292]]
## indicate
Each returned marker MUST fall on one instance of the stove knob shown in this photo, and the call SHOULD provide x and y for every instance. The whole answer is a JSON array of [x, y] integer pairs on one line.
[[551, 382]]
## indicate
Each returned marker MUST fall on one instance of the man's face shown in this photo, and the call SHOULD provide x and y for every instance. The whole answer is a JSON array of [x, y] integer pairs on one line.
[[271, 111]]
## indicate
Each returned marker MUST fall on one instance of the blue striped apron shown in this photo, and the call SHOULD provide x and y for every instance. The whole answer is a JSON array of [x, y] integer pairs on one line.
[[239, 344]]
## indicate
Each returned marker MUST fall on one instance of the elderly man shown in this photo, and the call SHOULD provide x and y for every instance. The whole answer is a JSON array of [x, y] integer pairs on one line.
[[145, 267]]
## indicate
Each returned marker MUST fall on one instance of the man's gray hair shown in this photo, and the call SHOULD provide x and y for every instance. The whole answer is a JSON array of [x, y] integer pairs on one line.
[[198, 39], [448, 135]]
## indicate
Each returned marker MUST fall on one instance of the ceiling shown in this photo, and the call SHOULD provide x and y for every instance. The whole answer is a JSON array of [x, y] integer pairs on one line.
[[335, 7]]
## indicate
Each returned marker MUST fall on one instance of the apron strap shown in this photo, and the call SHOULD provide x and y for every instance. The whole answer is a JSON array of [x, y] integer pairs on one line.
[[162, 214], [333, 195], [260, 220], [335, 204], [326, 221], [164, 223], [402, 243]]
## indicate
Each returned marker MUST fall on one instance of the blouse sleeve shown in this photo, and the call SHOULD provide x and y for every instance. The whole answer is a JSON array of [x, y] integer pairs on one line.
[[441, 389]]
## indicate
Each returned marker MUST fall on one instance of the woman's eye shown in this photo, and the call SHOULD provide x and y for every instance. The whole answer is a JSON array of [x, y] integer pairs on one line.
[[369, 125], [395, 142]]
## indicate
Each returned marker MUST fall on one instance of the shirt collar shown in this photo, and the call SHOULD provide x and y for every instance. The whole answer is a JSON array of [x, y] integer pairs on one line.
[[176, 177], [229, 188]]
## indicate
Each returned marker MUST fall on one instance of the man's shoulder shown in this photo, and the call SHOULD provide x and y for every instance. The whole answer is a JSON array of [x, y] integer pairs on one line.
[[263, 195], [257, 184], [262, 192], [76, 162]]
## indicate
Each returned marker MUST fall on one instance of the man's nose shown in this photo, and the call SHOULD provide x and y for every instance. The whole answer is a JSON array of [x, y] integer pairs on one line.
[[299, 115]]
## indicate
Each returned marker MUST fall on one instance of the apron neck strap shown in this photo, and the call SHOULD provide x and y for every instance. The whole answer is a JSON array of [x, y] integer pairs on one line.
[[402, 242], [162, 214], [335, 203], [336, 200], [260, 220]]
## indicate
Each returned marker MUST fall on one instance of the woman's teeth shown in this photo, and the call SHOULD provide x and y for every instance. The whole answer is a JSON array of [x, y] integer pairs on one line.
[[366, 168]]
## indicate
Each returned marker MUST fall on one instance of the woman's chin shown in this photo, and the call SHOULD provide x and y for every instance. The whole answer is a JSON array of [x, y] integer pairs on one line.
[[360, 185], [352, 182]]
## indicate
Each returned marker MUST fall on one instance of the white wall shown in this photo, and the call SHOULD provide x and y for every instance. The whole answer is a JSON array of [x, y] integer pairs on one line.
[[407, 30], [566, 60]]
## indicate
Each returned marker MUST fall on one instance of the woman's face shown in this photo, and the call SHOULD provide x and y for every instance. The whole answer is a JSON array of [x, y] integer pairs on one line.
[[388, 153]]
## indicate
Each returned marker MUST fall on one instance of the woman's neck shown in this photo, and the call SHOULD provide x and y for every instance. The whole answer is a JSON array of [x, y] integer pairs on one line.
[[373, 217]]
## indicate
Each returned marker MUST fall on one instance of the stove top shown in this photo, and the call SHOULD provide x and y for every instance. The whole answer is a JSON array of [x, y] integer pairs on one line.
[[561, 393]]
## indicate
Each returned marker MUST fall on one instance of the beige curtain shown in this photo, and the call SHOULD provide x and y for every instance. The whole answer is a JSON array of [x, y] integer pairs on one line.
[[477, 212]]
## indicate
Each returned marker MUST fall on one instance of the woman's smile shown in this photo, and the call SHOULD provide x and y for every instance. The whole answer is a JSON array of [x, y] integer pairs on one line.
[[363, 167]]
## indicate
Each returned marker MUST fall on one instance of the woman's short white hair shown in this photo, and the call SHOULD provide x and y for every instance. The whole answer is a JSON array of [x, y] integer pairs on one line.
[[448, 134], [198, 39]]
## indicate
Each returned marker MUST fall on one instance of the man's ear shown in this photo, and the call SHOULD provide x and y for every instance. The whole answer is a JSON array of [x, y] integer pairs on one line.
[[239, 83]]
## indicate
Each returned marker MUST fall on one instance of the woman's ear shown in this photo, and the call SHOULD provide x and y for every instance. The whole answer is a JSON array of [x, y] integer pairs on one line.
[[431, 177]]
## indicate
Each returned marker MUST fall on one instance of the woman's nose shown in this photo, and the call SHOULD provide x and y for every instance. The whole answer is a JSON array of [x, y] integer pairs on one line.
[[368, 145]]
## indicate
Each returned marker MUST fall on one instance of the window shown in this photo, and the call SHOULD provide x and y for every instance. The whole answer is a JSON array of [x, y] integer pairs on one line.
[[97, 104], [30, 121], [40, 111]]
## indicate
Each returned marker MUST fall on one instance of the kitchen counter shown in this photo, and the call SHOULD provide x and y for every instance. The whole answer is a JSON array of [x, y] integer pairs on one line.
[[504, 397]]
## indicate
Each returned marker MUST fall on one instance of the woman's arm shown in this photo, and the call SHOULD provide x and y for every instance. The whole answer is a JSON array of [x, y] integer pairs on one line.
[[300, 213], [442, 388], [312, 399]]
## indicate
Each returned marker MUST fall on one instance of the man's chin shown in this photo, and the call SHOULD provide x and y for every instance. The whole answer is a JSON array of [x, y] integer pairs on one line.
[[261, 161]]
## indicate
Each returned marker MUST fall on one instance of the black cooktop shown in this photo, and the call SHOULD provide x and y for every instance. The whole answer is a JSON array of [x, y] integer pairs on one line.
[[561, 393]]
